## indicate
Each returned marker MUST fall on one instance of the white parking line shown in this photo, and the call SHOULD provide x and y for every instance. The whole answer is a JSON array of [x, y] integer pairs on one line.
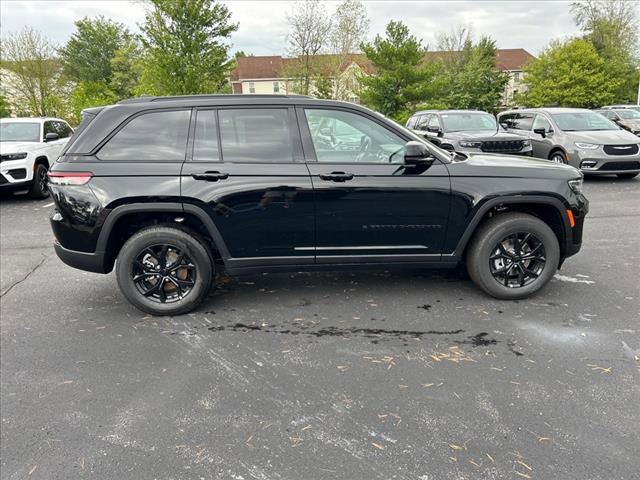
[[49, 204]]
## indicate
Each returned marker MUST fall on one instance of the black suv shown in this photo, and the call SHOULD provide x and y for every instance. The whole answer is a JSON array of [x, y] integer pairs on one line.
[[171, 189]]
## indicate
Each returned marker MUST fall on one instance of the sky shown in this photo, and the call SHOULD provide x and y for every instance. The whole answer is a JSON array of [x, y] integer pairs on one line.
[[262, 31]]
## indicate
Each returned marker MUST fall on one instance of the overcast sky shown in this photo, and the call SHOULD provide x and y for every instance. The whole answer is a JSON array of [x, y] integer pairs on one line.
[[513, 24]]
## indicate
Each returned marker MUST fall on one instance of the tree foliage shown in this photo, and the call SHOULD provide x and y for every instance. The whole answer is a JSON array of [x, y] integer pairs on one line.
[[402, 79], [5, 108], [473, 81], [613, 28], [185, 47], [35, 71], [88, 53], [569, 74], [310, 29]]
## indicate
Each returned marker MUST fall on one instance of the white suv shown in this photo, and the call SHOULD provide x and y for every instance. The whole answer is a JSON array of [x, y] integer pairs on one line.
[[28, 146]]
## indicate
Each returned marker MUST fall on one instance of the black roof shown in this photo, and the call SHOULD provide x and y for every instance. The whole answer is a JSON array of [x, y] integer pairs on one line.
[[146, 99]]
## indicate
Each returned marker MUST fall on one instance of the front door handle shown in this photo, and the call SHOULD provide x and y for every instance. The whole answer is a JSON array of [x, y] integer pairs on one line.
[[336, 176], [210, 176]]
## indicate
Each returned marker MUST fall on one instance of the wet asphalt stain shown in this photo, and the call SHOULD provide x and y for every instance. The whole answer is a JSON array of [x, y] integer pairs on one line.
[[311, 330], [478, 340]]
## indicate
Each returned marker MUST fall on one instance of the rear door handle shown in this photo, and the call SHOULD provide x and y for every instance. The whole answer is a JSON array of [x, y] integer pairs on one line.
[[210, 176], [336, 176]]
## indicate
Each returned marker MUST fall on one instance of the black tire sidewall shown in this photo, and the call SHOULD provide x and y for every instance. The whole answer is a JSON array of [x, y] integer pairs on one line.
[[35, 191], [497, 230], [189, 244]]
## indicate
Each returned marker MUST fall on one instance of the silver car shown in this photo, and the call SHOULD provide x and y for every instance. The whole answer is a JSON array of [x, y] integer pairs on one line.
[[624, 117], [467, 131], [579, 137]]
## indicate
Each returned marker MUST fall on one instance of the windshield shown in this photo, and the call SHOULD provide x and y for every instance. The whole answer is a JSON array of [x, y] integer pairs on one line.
[[583, 122], [19, 132], [629, 114], [461, 122]]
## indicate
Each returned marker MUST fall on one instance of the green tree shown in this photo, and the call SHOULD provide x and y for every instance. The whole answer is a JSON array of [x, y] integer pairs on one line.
[[612, 27], [5, 108], [185, 47], [476, 83], [569, 74], [88, 53], [402, 80]]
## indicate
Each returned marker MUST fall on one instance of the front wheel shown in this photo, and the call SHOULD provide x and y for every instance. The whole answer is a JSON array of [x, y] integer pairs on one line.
[[513, 255], [39, 188], [164, 271], [558, 157], [627, 176]]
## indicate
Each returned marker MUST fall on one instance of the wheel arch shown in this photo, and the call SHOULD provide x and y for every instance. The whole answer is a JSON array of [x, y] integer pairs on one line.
[[41, 159], [557, 149], [125, 220], [549, 209]]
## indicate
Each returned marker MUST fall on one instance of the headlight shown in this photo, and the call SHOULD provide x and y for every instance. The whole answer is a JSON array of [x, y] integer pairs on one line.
[[587, 146], [14, 156], [576, 185], [469, 144], [526, 143]]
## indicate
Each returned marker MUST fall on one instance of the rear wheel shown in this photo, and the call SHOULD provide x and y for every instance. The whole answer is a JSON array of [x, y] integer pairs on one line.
[[558, 157], [164, 271], [627, 176], [513, 255], [39, 188]]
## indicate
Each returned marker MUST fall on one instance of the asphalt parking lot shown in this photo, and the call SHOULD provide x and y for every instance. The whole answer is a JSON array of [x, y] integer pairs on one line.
[[367, 375]]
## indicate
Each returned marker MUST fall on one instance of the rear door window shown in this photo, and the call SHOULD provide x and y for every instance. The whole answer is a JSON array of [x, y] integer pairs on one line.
[[255, 135], [155, 136]]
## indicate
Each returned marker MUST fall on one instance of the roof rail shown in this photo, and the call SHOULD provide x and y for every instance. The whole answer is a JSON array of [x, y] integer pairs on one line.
[[150, 98]]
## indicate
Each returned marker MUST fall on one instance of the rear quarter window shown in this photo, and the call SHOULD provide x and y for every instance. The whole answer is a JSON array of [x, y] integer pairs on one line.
[[155, 136]]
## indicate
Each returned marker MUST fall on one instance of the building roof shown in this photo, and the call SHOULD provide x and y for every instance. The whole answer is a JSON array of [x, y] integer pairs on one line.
[[268, 67], [512, 58]]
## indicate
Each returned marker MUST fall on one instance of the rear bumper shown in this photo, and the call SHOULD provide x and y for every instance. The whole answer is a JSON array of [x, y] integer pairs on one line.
[[90, 262]]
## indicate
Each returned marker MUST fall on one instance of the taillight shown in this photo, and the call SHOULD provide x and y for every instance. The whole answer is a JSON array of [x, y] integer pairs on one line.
[[69, 178]]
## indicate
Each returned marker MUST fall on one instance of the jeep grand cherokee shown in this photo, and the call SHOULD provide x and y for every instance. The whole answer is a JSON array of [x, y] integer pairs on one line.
[[171, 189]]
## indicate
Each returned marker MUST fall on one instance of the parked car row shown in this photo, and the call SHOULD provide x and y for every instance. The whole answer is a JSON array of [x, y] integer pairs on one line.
[[602, 142]]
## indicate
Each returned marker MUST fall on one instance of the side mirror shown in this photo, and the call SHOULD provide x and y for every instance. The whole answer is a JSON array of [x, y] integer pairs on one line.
[[504, 125], [434, 130], [417, 153], [540, 131], [50, 137]]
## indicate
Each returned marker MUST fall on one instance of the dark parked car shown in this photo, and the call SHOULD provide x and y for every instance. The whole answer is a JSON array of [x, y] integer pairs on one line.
[[176, 188], [467, 131], [624, 117], [579, 137]]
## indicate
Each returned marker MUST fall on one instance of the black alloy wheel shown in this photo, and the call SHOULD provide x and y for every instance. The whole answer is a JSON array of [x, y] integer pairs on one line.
[[164, 273], [517, 260]]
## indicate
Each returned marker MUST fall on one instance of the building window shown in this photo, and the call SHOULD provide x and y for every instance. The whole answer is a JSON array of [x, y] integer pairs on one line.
[[276, 87], [252, 87], [516, 77]]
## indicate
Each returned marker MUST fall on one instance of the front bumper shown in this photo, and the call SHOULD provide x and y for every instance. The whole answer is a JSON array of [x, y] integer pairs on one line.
[[596, 162]]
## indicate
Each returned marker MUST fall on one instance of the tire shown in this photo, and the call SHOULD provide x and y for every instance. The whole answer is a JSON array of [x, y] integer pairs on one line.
[[39, 189], [558, 157], [627, 176], [183, 287], [483, 267]]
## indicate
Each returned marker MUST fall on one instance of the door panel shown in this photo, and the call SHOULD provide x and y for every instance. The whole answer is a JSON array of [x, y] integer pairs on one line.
[[249, 178], [384, 210], [369, 206]]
